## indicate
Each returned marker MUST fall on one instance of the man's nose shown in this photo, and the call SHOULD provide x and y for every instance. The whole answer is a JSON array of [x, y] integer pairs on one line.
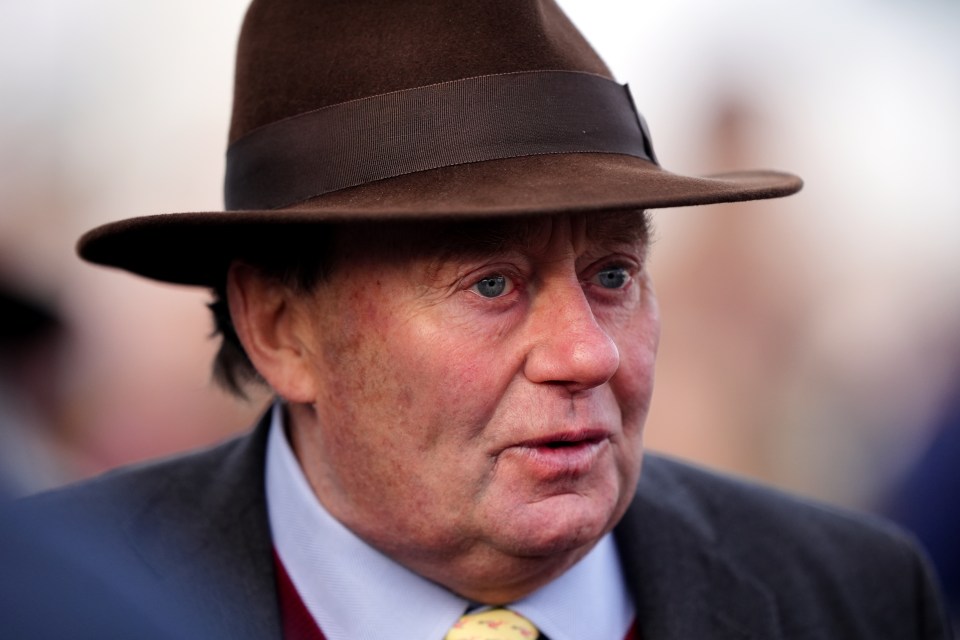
[[568, 346]]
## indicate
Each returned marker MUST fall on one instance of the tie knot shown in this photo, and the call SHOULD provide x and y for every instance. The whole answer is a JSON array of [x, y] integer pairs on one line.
[[493, 624]]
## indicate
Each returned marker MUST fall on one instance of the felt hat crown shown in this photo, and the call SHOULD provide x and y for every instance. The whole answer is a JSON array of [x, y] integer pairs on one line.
[[404, 109]]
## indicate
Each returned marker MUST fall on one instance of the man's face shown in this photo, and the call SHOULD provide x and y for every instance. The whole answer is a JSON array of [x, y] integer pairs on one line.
[[481, 390]]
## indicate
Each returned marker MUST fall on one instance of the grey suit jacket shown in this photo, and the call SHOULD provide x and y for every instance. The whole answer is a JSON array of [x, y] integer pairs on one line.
[[706, 557]]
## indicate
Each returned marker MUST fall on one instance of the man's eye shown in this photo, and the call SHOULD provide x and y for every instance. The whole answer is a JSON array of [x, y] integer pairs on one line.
[[613, 278], [492, 286]]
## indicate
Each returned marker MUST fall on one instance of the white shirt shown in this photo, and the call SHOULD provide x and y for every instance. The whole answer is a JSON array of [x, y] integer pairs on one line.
[[354, 592]]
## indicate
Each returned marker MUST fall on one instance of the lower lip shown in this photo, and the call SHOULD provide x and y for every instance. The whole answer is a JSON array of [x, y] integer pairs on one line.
[[564, 461]]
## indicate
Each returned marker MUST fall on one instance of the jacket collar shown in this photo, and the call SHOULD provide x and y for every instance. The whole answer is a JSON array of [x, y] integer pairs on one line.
[[683, 584], [221, 549]]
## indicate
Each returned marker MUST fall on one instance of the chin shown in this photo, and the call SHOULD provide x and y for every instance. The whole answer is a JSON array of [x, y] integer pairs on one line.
[[562, 528]]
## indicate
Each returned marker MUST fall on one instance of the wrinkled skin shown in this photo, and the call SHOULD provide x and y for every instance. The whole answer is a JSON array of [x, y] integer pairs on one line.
[[470, 399]]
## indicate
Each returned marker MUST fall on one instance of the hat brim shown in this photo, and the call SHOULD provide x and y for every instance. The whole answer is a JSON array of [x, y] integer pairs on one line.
[[197, 248]]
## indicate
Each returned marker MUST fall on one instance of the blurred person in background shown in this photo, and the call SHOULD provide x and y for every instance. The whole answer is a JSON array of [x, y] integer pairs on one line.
[[434, 255], [61, 580], [32, 336], [53, 584], [925, 501]]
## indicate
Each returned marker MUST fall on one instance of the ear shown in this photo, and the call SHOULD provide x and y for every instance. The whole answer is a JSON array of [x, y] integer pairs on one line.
[[264, 317]]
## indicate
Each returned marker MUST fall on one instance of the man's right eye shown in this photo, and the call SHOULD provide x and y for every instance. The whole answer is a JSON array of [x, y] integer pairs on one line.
[[492, 286]]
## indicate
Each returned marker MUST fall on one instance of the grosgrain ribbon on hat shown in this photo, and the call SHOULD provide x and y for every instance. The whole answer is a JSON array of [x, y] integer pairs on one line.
[[392, 134], [493, 624]]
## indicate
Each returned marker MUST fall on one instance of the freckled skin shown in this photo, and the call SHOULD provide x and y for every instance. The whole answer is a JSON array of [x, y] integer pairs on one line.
[[425, 392]]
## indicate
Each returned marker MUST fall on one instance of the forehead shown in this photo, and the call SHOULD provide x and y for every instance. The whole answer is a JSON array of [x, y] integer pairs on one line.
[[450, 239]]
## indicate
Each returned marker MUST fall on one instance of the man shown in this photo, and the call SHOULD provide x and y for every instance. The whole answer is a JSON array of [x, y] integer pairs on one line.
[[434, 255]]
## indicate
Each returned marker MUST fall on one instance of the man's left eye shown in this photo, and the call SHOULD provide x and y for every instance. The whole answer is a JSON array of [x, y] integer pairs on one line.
[[493, 286], [612, 278]]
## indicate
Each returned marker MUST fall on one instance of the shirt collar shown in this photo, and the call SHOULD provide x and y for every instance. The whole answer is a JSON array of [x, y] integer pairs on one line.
[[354, 592]]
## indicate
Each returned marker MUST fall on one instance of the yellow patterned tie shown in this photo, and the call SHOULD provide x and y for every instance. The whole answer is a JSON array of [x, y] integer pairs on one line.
[[493, 624]]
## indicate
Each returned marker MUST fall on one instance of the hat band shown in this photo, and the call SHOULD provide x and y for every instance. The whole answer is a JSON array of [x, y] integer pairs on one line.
[[471, 120]]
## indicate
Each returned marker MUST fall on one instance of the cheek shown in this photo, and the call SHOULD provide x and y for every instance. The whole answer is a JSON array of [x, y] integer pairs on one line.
[[456, 361], [434, 383], [632, 386], [637, 342], [355, 377]]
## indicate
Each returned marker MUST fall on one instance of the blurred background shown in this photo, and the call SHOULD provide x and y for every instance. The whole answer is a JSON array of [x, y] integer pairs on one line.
[[812, 343]]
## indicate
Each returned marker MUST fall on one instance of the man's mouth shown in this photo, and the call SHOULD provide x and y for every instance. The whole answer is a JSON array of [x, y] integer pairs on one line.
[[562, 455], [567, 439], [560, 444]]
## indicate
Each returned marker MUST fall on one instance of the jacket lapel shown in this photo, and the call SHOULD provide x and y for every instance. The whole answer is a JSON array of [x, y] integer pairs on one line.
[[221, 546], [682, 586]]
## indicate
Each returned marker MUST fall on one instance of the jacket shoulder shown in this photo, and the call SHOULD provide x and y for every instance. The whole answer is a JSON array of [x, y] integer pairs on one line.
[[727, 508], [825, 566], [193, 528], [122, 492]]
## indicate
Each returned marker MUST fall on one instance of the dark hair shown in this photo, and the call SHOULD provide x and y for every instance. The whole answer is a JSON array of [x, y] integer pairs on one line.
[[298, 260]]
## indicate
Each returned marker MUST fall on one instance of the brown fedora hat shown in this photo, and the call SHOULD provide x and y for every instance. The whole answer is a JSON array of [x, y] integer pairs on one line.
[[403, 109]]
